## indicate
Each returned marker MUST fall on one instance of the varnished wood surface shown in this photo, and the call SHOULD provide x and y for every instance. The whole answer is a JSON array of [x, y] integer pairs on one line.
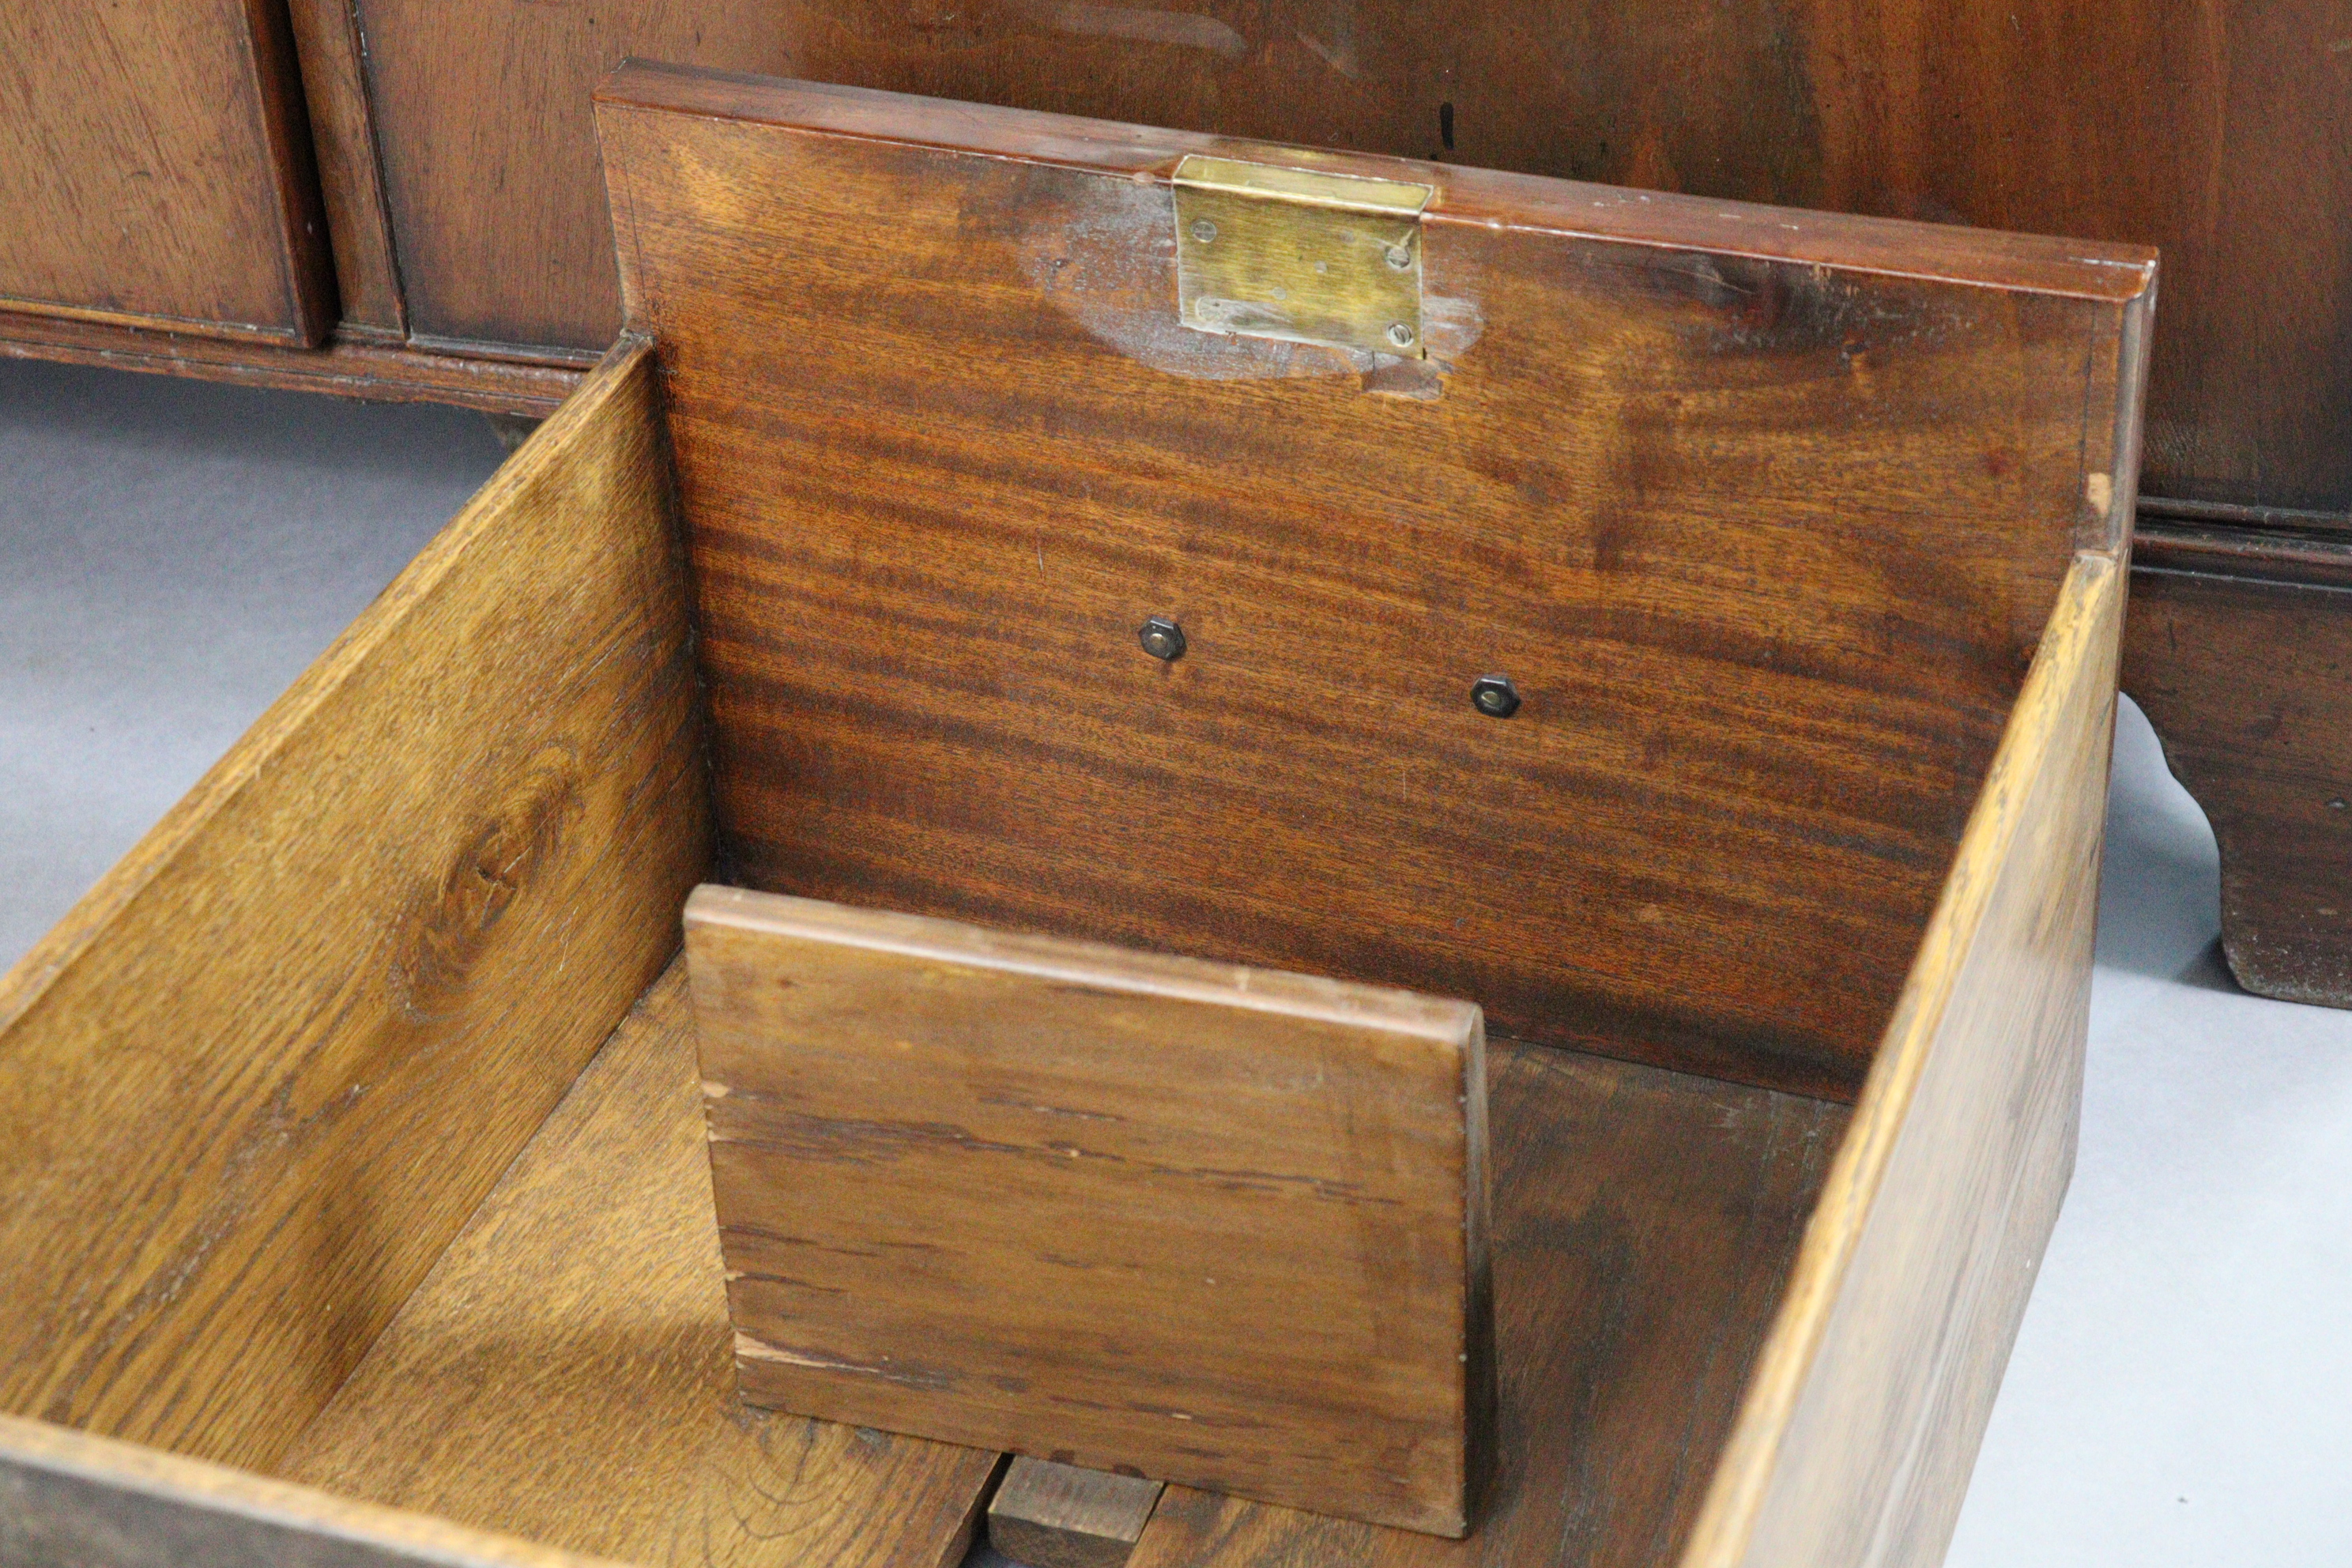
[[1764, 540], [566, 1371], [1856, 1436], [2158, 512], [1186, 1220], [2238, 648], [1643, 1226], [2119, 273], [1628, 1335], [261, 1074], [346, 366], [489, 151], [2213, 131], [2319, 553], [351, 182], [72, 1500], [1050, 1515], [2209, 129], [154, 168], [2245, 669]]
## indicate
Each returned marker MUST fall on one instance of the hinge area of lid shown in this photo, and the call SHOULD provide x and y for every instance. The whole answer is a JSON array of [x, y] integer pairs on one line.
[[1263, 251]]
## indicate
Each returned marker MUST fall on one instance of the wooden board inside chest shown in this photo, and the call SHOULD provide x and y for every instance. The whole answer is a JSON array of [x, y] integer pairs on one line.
[[1192, 1221]]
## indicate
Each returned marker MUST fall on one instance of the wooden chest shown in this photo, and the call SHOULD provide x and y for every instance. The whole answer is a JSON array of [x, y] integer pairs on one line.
[[353, 1205]]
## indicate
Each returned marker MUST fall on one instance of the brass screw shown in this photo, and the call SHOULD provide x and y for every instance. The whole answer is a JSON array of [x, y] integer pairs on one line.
[[1203, 230], [1400, 335]]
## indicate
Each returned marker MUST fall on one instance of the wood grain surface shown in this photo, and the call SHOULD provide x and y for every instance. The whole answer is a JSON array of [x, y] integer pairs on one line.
[[154, 167], [2213, 130], [2303, 547], [1060, 1516], [349, 364], [1762, 514], [1858, 1434], [350, 181], [489, 150], [1645, 1226], [566, 1372], [1644, 1222], [1184, 1220], [257, 1078], [2207, 129], [2248, 680], [72, 1500]]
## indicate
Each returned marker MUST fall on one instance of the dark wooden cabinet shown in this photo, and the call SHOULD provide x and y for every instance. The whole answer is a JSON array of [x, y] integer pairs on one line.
[[2216, 132], [461, 172], [491, 177], [155, 170], [2248, 677]]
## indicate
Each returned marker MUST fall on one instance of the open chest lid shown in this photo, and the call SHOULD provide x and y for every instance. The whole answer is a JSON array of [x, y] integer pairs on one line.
[[1622, 646]]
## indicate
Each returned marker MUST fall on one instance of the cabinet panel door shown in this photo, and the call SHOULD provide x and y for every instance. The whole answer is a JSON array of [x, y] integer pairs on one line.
[[2213, 130], [490, 169], [154, 169]]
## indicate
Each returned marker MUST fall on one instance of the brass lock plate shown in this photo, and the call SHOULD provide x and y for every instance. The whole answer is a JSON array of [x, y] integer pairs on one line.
[[1301, 254]]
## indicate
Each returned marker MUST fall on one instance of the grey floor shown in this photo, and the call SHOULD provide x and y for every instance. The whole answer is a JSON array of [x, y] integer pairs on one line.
[[173, 554]]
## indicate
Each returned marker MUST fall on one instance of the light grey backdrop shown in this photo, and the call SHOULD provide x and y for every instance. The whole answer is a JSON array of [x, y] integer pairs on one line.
[[173, 554]]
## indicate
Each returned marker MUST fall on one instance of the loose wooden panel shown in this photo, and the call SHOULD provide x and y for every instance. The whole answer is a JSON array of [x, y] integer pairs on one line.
[[342, 138], [489, 151], [566, 1372], [1060, 1516], [72, 1500], [1182, 1219], [1644, 1222], [2249, 683], [259, 1077], [349, 364], [154, 167], [1855, 1438], [1762, 512]]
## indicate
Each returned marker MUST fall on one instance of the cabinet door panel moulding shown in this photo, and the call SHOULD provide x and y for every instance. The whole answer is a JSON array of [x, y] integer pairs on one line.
[[350, 179]]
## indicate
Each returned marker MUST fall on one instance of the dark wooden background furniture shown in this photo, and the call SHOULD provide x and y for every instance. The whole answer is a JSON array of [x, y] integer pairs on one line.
[[155, 171], [2242, 654], [160, 201]]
